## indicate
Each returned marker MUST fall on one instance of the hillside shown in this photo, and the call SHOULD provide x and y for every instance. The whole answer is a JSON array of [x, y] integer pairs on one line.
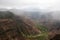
[[46, 21], [13, 27]]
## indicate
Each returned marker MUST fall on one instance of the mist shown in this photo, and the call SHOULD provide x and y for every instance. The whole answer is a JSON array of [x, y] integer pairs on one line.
[[43, 6]]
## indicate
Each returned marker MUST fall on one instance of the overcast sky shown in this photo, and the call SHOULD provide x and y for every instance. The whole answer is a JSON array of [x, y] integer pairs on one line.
[[43, 4]]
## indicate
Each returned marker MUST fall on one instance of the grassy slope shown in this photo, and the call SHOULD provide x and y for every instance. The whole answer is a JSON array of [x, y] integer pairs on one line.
[[42, 36]]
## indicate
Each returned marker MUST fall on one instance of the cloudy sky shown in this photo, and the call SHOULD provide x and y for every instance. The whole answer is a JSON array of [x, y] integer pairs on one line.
[[43, 4]]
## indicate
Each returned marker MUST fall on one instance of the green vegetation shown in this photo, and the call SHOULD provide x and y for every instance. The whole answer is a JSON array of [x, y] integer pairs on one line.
[[42, 28], [42, 36]]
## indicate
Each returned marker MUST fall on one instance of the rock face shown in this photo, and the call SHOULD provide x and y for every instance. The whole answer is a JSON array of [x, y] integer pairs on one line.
[[13, 27]]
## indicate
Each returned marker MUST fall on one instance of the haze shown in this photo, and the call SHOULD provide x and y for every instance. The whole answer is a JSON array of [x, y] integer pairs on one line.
[[42, 4]]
